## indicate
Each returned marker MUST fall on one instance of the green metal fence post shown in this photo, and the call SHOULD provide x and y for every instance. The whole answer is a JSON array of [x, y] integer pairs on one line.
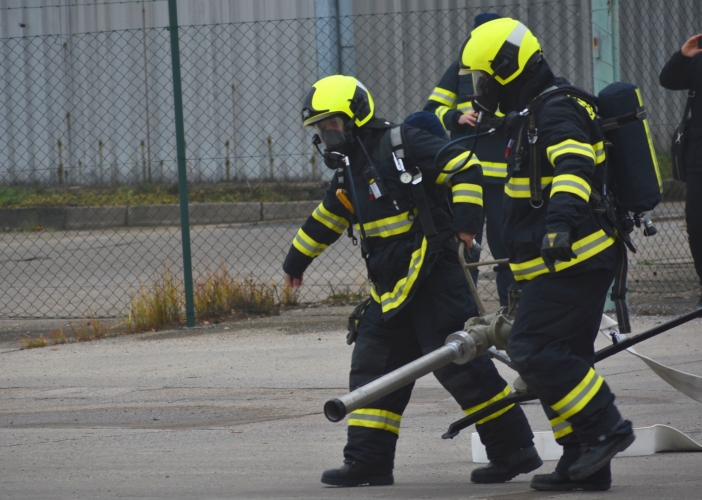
[[182, 173]]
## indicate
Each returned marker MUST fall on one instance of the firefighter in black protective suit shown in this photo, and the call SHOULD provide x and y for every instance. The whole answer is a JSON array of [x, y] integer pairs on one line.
[[561, 252], [451, 102], [683, 71], [419, 293]]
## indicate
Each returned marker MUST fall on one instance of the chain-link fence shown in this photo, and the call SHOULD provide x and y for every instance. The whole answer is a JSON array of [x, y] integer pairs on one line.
[[88, 150]]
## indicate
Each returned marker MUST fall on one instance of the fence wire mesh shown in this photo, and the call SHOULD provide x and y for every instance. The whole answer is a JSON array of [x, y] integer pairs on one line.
[[89, 198]]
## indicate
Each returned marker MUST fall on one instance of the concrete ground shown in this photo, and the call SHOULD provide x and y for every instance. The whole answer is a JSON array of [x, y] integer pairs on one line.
[[235, 411]]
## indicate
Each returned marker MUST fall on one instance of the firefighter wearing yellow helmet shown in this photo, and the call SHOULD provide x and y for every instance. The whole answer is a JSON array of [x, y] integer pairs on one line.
[[407, 210], [451, 102], [562, 249]]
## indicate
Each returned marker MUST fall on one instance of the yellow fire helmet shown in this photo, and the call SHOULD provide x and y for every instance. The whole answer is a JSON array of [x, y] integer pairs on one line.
[[502, 47], [337, 94]]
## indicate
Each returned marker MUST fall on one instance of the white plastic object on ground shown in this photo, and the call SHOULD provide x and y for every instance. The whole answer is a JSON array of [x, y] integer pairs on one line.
[[649, 440]]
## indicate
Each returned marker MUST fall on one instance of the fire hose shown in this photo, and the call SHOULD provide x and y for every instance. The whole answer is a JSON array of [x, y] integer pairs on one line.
[[480, 334]]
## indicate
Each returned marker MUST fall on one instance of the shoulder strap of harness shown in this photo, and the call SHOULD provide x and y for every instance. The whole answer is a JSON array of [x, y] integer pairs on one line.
[[533, 133], [618, 294]]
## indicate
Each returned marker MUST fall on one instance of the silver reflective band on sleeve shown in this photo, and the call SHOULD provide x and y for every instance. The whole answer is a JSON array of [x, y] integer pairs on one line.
[[443, 96], [396, 140]]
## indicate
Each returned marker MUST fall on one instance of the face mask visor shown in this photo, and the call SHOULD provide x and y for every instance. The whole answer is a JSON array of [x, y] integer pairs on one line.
[[485, 95], [331, 131]]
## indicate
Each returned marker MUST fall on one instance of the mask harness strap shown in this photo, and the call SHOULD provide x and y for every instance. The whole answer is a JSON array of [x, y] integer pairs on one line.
[[365, 247]]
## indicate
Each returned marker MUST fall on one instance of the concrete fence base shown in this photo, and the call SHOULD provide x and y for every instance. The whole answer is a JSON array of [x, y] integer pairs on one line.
[[73, 218]]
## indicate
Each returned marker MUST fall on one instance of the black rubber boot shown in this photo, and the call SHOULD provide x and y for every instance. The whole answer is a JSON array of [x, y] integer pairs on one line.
[[556, 482], [507, 467], [595, 456], [355, 473]]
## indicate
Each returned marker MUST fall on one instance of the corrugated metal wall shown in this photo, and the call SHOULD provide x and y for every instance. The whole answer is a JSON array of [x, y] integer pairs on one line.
[[650, 32], [86, 85]]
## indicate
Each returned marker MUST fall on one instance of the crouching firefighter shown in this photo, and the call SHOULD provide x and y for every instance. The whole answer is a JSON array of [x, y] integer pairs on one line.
[[562, 250], [387, 187]]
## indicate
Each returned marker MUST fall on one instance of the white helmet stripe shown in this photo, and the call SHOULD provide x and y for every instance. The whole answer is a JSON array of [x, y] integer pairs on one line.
[[517, 35]]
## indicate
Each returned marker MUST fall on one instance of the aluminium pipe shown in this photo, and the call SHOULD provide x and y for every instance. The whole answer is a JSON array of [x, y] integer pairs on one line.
[[460, 348]]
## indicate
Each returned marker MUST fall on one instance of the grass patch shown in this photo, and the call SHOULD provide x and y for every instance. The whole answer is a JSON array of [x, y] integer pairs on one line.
[[290, 296], [346, 294], [89, 329], [157, 305], [34, 343], [16, 196], [58, 337], [218, 292], [665, 165]]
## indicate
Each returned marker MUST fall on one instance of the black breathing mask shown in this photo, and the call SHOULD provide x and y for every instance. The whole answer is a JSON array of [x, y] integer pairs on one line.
[[485, 92]]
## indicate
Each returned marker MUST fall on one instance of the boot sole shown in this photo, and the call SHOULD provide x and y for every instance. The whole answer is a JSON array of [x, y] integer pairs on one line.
[[570, 486], [590, 470], [369, 481], [523, 469]]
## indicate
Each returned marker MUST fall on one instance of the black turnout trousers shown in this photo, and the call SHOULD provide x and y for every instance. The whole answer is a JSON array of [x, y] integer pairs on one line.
[[440, 306], [552, 346]]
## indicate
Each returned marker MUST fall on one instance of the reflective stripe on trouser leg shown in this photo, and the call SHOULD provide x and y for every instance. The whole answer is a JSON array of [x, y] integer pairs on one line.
[[376, 419], [503, 394], [551, 344], [578, 398]]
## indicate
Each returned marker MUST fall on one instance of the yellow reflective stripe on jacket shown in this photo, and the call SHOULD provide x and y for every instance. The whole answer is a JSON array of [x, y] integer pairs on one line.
[[505, 392], [332, 221], [583, 248], [518, 187], [560, 427], [394, 298], [569, 183], [390, 226], [444, 178], [465, 107], [650, 145], [307, 245], [376, 419], [600, 152], [467, 193], [569, 146], [578, 398], [440, 112], [443, 96], [494, 168]]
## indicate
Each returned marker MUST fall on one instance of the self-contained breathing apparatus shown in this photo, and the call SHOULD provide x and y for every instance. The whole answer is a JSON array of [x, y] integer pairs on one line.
[[632, 183]]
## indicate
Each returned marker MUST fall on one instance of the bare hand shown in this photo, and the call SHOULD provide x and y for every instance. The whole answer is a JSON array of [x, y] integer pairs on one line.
[[689, 48], [467, 238], [293, 282], [468, 118]]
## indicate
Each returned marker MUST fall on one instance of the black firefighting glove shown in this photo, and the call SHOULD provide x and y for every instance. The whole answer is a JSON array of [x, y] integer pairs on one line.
[[556, 247]]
